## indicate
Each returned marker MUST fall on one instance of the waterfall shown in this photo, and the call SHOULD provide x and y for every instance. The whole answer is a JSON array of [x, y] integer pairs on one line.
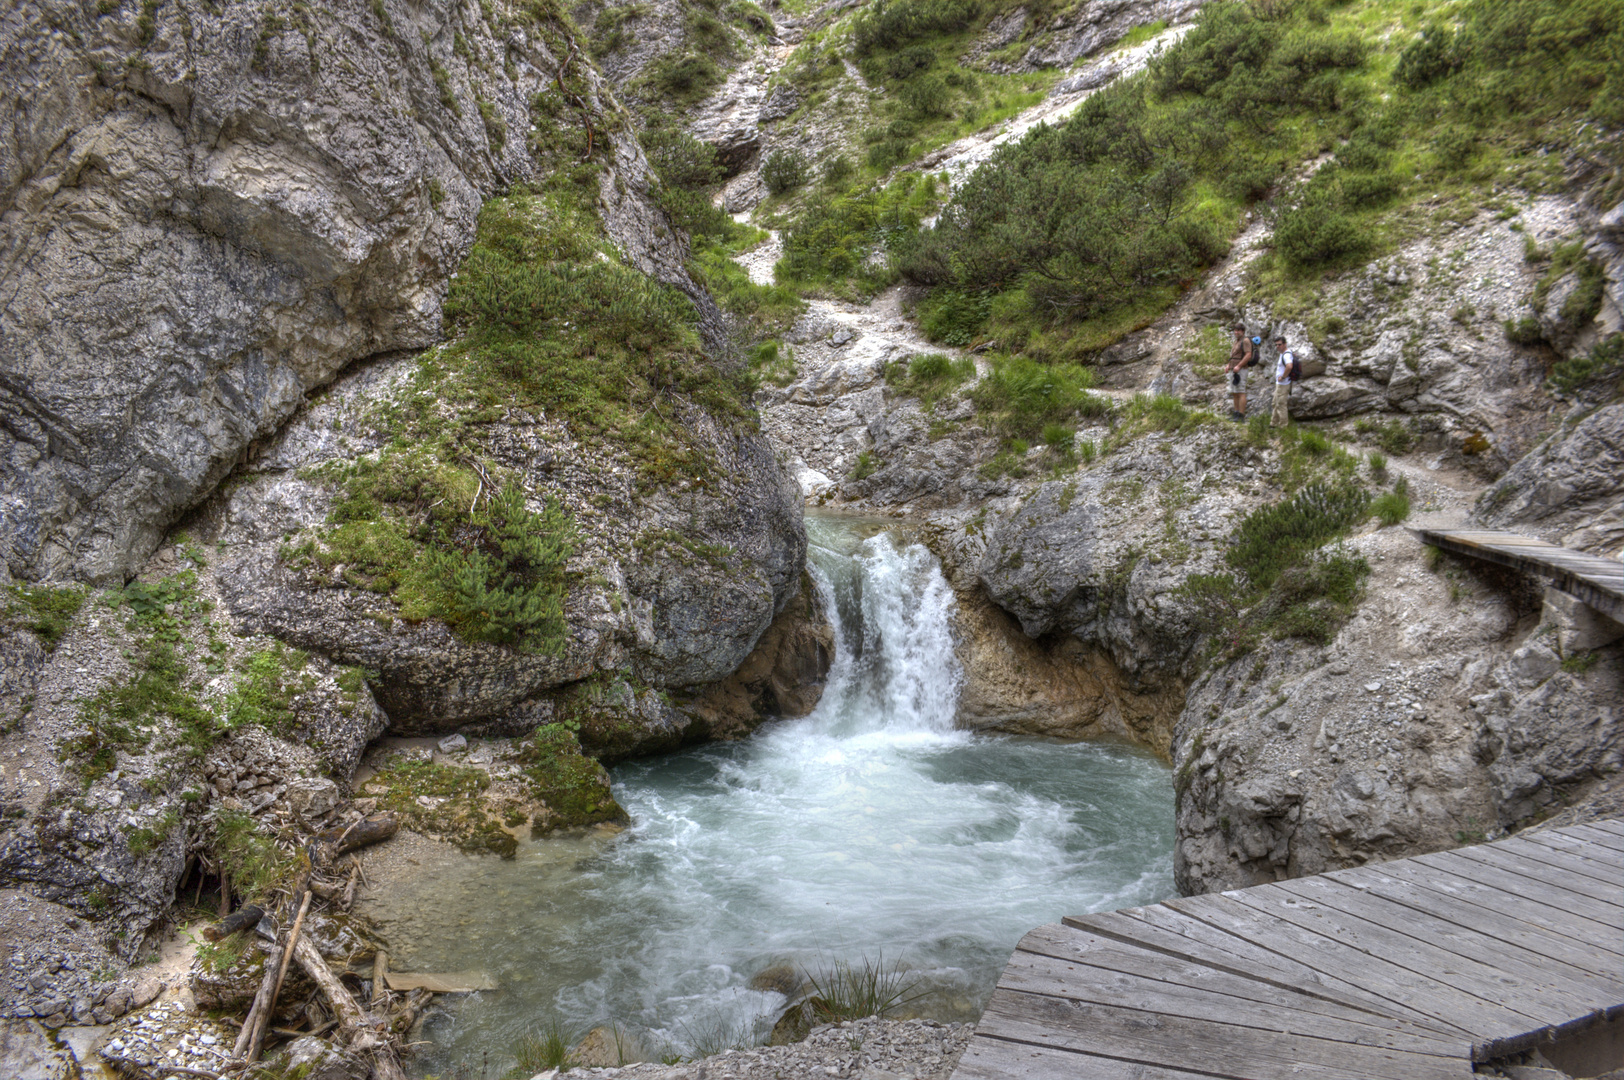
[[870, 828]]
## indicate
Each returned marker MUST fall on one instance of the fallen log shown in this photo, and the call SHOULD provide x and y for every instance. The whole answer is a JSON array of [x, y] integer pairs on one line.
[[239, 920], [281, 974], [261, 1006], [345, 1010], [364, 833]]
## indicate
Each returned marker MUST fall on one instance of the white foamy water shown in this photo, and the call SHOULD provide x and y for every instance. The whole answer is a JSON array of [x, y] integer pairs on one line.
[[869, 828]]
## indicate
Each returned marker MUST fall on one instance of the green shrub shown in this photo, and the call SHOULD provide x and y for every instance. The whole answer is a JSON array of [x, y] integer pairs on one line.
[[838, 169], [1602, 365], [1525, 331], [865, 466], [499, 578], [1392, 507], [1378, 463], [1316, 232], [248, 857], [784, 170], [953, 317], [1059, 436], [1020, 395], [687, 169], [1272, 538], [263, 696], [685, 79], [1428, 58], [887, 25]]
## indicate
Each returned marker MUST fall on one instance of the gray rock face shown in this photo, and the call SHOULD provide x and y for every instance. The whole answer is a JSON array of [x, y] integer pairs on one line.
[[675, 619], [232, 213], [203, 218], [1099, 557], [1568, 489], [1440, 715]]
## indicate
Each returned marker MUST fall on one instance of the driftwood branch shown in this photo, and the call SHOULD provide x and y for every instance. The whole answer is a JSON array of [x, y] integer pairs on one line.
[[281, 974], [260, 1009], [241, 919], [363, 833]]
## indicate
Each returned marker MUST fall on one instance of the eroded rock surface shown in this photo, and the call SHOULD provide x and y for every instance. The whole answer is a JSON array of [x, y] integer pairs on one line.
[[1443, 713], [1568, 489]]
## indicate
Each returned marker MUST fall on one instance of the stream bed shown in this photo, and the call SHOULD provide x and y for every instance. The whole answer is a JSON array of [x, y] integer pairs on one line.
[[870, 831]]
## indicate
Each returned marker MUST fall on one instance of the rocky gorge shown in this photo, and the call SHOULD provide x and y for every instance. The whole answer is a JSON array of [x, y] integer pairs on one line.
[[361, 382]]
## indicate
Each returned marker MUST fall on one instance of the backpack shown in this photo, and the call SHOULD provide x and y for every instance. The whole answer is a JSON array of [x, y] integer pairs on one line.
[[1257, 347], [1294, 371]]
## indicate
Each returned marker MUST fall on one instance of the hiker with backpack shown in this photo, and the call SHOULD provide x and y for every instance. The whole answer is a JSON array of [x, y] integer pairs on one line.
[[1287, 370], [1241, 357]]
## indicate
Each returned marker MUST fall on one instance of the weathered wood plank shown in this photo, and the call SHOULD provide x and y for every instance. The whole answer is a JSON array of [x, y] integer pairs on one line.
[[1589, 864], [1604, 847], [1162, 928], [1610, 825], [1068, 945], [1044, 975], [1476, 975], [1181, 1042], [1505, 893], [1605, 899], [988, 1058], [1570, 991], [1502, 923], [1376, 974], [1522, 884]]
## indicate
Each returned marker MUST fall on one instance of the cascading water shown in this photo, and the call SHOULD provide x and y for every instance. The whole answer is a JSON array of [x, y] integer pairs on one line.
[[870, 828]]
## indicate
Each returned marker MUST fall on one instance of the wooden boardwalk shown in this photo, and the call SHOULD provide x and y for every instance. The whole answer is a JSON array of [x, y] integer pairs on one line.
[[1597, 581], [1408, 970]]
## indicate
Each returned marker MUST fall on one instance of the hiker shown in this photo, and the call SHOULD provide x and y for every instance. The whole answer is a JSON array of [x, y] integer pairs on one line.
[[1286, 371], [1241, 356]]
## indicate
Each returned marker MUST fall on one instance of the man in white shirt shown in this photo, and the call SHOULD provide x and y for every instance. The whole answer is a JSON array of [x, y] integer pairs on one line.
[[1282, 384]]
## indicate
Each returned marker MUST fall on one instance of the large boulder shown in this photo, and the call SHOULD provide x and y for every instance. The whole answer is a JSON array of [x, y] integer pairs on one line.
[[641, 599]]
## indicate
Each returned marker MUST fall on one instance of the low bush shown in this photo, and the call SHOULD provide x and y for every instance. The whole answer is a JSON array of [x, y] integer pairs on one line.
[[1272, 538], [46, 610], [1392, 507], [1019, 395], [784, 170], [1601, 366]]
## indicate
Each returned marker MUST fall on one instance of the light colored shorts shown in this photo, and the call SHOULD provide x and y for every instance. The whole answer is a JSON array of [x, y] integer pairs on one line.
[[1237, 381]]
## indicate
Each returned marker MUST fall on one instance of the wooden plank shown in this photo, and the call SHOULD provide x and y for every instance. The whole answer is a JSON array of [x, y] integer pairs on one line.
[[1615, 826], [1181, 1042], [1605, 898], [1578, 838], [1476, 975], [1067, 945], [1537, 913], [1572, 990], [1532, 888], [989, 1058], [1591, 863], [1376, 974], [1047, 976], [1161, 928], [1504, 924]]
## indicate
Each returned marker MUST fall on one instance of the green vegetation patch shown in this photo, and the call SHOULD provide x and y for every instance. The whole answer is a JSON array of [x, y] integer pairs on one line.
[[453, 806], [127, 715], [247, 855], [1601, 368], [574, 787], [269, 681], [930, 376], [1284, 582], [46, 610], [845, 246]]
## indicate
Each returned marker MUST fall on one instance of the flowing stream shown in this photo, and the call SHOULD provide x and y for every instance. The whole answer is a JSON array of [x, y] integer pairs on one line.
[[870, 830]]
